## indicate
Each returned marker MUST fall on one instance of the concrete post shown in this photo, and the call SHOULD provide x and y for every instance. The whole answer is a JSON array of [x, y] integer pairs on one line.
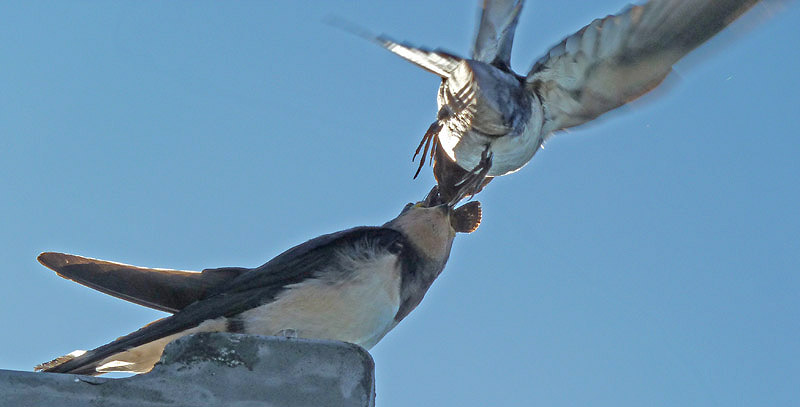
[[215, 369]]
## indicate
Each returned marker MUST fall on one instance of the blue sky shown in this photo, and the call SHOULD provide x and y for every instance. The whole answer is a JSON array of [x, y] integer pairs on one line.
[[649, 259]]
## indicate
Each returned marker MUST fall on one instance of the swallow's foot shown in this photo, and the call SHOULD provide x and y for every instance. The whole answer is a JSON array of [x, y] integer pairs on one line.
[[475, 180], [287, 333], [430, 137]]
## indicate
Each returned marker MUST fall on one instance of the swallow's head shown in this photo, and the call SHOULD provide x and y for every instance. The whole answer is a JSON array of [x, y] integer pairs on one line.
[[431, 225]]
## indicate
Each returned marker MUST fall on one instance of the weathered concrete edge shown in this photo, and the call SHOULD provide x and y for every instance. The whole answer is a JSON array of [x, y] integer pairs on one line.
[[212, 368]]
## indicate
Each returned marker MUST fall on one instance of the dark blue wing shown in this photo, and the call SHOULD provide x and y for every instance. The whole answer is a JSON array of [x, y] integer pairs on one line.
[[495, 35]]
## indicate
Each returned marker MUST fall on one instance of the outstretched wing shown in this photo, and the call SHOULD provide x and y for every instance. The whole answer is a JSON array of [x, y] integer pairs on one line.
[[251, 289], [439, 62], [496, 28], [161, 289], [616, 59]]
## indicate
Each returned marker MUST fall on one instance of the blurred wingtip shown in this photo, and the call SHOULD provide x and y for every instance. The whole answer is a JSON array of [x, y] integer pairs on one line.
[[754, 18], [351, 27]]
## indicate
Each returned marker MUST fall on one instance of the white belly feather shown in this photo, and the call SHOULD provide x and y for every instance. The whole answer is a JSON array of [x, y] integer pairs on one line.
[[359, 309]]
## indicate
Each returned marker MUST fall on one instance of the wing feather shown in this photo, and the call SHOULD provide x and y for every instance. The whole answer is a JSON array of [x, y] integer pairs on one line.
[[249, 290], [438, 62], [161, 289], [617, 59], [496, 28]]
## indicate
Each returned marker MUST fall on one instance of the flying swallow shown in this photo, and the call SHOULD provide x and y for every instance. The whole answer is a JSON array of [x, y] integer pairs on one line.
[[491, 120], [354, 285]]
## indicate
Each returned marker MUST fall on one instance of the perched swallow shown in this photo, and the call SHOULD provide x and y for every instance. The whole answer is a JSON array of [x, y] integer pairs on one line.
[[491, 120], [354, 285]]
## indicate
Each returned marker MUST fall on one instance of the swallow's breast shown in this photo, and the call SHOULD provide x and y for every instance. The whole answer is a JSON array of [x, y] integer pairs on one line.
[[491, 107], [359, 308]]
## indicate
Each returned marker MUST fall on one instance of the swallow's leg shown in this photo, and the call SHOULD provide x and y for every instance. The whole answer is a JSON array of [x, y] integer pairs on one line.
[[473, 181], [431, 138], [434, 145]]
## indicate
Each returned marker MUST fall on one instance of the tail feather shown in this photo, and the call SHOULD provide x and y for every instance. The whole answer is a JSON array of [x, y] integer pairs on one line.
[[161, 289]]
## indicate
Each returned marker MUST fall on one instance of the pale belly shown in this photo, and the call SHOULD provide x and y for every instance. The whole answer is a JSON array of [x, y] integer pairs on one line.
[[359, 310], [489, 108], [509, 154]]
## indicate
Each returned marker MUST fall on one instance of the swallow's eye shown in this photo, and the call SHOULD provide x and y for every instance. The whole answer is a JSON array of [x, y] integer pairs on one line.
[[396, 247]]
